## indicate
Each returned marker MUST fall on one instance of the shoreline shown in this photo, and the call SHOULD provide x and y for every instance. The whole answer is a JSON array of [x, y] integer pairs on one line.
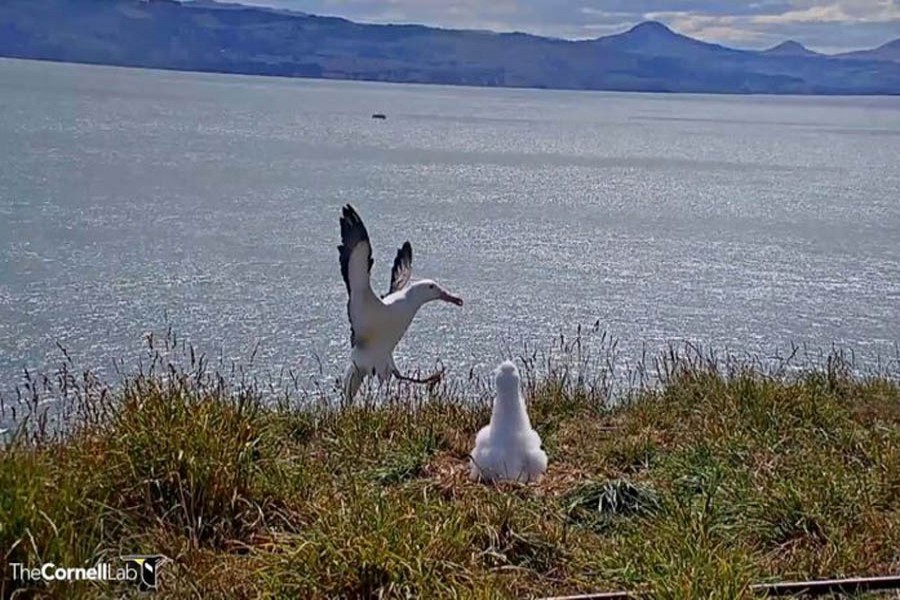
[[629, 91]]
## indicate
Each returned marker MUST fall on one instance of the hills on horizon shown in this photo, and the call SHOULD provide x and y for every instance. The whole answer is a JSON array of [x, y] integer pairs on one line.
[[790, 48], [231, 38]]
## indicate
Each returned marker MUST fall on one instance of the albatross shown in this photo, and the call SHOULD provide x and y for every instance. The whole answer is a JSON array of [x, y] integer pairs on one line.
[[378, 323], [508, 448]]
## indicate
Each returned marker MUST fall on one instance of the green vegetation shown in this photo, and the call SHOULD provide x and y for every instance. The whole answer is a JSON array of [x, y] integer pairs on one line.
[[720, 476]]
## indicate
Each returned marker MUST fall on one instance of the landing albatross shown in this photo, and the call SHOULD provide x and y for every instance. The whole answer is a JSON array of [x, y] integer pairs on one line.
[[378, 323]]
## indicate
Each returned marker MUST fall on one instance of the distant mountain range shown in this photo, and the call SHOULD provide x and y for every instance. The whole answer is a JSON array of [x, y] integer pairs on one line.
[[791, 48], [207, 36], [889, 51]]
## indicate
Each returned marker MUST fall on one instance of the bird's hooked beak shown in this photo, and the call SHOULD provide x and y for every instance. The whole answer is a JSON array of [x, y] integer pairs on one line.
[[448, 297]]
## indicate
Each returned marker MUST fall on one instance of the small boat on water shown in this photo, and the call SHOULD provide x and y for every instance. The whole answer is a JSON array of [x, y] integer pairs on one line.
[[379, 116]]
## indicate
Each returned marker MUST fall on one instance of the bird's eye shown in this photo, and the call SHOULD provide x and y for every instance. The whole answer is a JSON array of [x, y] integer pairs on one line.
[[431, 286]]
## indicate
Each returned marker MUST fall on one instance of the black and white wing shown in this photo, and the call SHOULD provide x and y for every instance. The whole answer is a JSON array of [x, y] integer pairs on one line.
[[356, 265], [402, 269]]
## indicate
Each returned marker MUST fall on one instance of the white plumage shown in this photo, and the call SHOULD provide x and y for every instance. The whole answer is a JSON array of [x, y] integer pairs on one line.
[[378, 323], [508, 448]]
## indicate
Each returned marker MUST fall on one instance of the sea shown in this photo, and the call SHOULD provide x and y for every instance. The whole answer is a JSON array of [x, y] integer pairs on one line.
[[134, 202]]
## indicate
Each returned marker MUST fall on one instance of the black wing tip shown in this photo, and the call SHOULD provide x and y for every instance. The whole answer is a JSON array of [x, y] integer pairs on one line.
[[353, 232], [404, 255], [352, 227]]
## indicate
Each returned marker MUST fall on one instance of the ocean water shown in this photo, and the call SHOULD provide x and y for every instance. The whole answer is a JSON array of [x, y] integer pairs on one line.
[[133, 200]]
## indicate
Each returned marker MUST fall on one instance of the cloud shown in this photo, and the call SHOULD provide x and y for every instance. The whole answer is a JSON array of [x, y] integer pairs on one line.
[[826, 14], [839, 12], [831, 25]]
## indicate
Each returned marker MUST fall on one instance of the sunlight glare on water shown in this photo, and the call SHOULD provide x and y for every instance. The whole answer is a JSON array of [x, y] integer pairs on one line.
[[130, 199]]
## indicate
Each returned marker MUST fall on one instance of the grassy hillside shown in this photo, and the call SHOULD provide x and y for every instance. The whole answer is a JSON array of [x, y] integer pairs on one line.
[[721, 476]]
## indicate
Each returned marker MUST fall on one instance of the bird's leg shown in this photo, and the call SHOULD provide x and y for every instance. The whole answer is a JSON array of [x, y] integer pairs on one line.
[[430, 380], [353, 379], [434, 378]]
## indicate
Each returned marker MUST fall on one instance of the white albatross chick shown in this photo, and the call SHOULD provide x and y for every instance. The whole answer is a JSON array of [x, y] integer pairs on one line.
[[508, 448]]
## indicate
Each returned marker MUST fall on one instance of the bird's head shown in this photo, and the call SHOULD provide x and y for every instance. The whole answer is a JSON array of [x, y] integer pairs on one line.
[[427, 290], [507, 380]]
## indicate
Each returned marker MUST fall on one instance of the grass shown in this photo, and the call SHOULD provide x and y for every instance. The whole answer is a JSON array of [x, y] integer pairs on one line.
[[721, 475]]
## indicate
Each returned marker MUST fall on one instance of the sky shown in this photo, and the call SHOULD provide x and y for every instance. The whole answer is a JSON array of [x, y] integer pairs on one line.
[[825, 26]]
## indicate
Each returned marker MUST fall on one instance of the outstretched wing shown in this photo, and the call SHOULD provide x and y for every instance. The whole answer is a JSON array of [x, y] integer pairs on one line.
[[356, 265], [402, 269]]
